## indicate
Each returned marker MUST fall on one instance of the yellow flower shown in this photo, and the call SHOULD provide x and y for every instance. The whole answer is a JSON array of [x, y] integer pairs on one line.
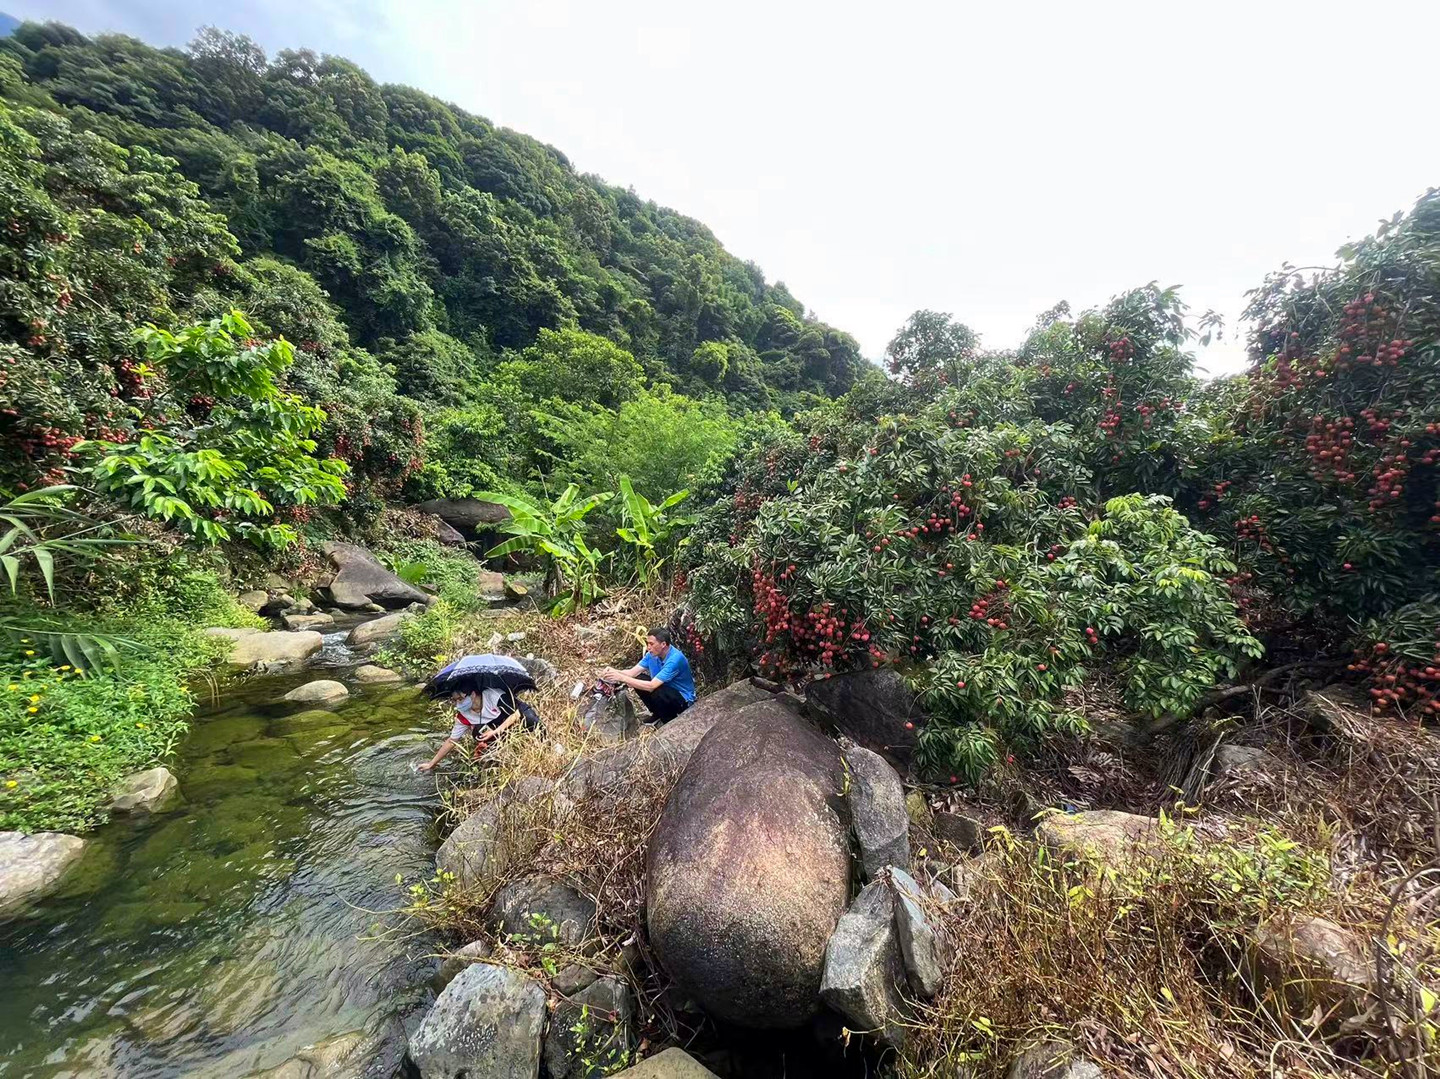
[[64, 666], [32, 709], [93, 737], [14, 687], [12, 783], [34, 698], [29, 651], [79, 670]]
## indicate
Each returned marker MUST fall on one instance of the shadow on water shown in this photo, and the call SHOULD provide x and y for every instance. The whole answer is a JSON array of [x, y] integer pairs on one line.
[[220, 937]]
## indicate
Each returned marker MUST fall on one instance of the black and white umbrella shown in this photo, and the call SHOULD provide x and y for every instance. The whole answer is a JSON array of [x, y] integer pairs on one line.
[[475, 674]]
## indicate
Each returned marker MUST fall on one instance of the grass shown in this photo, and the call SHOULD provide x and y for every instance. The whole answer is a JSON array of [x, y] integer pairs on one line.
[[66, 737]]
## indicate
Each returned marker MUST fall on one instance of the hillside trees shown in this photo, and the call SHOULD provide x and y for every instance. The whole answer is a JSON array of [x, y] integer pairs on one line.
[[416, 216]]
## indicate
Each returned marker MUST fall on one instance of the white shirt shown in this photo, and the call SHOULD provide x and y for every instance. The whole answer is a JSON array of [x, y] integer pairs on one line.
[[471, 713]]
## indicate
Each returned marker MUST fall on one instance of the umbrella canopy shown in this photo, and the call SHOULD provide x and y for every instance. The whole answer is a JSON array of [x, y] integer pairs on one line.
[[475, 674]]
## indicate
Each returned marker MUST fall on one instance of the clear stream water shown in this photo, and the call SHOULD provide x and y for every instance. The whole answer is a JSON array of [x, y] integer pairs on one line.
[[220, 937]]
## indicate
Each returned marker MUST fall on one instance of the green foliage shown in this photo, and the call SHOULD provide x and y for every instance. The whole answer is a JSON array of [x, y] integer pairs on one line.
[[648, 529], [66, 738], [243, 448], [419, 219], [555, 532]]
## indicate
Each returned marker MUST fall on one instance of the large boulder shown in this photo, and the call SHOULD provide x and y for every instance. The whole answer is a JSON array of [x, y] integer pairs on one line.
[[543, 910], [749, 867], [864, 976], [268, 649], [474, 952], [872, 707], [470, 516], [361, 579], [447, 536], [877, 810], [253, 600], [321, 623], [320, 691], [32, 866], [673, 1063], [377, 629], [1109, 836], [496, 832], [663, 752], [367, 674], [486, 1024], [145, 792], [345, 1056], [1053, 1060]]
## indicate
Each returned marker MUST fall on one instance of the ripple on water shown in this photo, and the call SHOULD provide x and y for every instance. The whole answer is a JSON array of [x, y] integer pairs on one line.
[[218, 939]]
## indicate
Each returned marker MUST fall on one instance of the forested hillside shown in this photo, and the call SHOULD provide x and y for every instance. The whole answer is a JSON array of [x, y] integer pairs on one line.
[[410, 251]]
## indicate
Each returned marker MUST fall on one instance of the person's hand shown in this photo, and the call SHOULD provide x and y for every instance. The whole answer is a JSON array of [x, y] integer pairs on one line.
[[425, 766]]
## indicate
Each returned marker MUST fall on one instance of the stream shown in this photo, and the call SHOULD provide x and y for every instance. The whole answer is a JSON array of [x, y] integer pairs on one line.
[[219, 937]]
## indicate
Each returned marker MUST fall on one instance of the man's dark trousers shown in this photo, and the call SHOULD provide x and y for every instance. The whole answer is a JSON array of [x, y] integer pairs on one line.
[[664, 702]]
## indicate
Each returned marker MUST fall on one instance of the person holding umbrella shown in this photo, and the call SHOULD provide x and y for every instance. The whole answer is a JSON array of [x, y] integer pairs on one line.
[[483, 691]]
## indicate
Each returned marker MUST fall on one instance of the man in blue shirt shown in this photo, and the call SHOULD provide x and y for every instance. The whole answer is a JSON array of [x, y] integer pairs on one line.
[[661, 678]]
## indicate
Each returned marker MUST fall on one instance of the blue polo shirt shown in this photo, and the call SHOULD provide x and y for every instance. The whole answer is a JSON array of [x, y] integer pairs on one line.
[[674, 670]]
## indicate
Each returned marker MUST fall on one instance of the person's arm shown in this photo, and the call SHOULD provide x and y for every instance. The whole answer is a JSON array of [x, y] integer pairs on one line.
[[492, 733], [445, 747], [632, 677]]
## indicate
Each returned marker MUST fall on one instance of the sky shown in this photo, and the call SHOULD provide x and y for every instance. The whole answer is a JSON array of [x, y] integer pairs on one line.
[[986, 160]]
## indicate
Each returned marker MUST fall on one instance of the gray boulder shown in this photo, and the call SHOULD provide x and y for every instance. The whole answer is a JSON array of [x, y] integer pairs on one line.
[[1230, 759], [872, 707], [361, 579], [368, 674], [877, 810], [749, 867], [1314, 964], [572, 977], [864, 975], [543, 910], [965, 832], [1052, 1060], [377, 629], [491, 837], [32, 866], [663, 752], [145, 792], [490, 586], [590, 1032], [446, 535], [613, 719], [320, 691], [253, 600], [921, 943], [474, 952], [486, 1024], [321, 623], [469, 516], [673, 1063], [542, 670], [268, 650]]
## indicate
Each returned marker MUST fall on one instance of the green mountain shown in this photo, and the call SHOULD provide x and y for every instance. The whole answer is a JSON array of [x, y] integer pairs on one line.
[[443, 239]]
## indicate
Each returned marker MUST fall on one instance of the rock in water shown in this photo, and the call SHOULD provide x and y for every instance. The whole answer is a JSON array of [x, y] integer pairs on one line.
[[319, 622], [864, 975], [877, 807], [321, 691], [145, 792], [486, 1024], [361, 579], [749, 867], [31, 866], [370, 675], [270, 650], [872, 707], [377, 629]]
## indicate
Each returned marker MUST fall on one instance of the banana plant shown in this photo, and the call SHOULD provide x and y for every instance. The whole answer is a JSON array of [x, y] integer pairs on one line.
[[648, 528], [39, 528], [557, 534]]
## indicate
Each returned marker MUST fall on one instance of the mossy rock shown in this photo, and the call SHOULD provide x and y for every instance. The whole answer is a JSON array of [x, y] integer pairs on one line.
[[211, 735], [309, 743], [302, 721], [270, 755], [213, 779]]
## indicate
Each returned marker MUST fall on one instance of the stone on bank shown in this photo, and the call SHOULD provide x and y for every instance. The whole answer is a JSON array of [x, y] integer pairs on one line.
[[32, 865], [145, 792], [486, 1024]]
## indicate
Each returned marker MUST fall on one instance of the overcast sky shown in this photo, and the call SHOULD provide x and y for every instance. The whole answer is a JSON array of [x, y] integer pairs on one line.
[[982, 159]]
